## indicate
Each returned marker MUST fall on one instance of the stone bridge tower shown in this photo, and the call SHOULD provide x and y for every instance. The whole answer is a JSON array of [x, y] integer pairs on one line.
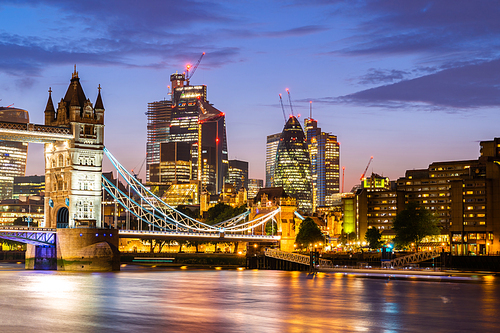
[[73, 168]]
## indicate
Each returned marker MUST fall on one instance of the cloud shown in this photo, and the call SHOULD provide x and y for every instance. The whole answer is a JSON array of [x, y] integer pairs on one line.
[[300, 31], [469, 86], [421, 26], [377, 76]]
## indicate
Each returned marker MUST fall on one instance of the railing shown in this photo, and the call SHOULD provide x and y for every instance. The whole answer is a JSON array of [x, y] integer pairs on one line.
[[35, 128], [411, 259], [295, 257]]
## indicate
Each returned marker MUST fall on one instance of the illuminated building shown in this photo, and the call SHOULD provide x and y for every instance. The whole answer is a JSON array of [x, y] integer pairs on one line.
[[324, 153], [271, 148], [28, 186], [292, 171], [199, 132], [158, 130], [12, 154], [182, 194], [238, 174], [254, 185], [27, 208]]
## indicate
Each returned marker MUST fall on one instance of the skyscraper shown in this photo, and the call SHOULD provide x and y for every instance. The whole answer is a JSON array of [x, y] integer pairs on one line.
[[12, 154], [158, 130], [271, 148], [254, 185], [238, 174], [197, 127], [324, 152], [293, 167]]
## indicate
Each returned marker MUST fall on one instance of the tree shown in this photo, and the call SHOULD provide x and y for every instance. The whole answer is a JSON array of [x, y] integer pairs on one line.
[[413, 224], [373, 237], [309, 233], [271, 228], [222, 212]]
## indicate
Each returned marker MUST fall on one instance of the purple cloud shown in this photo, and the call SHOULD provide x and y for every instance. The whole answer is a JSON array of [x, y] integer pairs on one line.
[[469, 86]]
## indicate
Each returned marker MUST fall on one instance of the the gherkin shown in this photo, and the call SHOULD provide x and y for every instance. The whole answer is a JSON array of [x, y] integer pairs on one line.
[[293, 167]]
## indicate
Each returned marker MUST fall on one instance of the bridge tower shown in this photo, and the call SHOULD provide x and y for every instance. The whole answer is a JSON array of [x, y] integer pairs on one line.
[[73, 168]]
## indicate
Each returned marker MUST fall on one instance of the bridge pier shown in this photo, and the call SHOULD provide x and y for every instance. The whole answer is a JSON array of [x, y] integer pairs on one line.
[[87, 250], [40, 257], [76, 249]]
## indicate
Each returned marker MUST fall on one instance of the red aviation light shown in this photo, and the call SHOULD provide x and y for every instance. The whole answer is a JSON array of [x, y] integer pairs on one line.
[[298, 116], [217, 140], [222, 114]]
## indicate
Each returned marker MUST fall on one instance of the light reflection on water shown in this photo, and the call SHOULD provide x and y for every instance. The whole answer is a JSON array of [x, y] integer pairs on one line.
[[240, 301]]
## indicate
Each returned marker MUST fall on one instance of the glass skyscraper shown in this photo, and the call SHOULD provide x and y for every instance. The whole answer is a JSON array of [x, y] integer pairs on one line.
[[13, 155], [293, 167], [324, 152], [271, 148], [198, 131]]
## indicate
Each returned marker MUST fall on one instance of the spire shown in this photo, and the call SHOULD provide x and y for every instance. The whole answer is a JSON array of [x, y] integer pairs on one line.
[[75, 74], [98, 102], [50, 104]]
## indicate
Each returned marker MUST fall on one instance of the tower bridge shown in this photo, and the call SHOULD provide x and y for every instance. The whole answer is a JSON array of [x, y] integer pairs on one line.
[[72, 236]]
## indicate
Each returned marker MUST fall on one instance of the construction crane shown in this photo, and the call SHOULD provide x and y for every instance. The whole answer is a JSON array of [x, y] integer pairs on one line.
[[343, 174], [289, 100], [140, 169], [188, 68], [282, 108], [363, 175]]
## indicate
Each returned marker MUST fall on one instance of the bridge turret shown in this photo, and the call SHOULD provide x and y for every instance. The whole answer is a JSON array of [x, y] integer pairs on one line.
[[99, 107], [50, 112]]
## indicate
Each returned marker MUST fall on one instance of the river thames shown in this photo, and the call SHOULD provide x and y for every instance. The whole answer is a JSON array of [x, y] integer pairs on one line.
[[173, 300]]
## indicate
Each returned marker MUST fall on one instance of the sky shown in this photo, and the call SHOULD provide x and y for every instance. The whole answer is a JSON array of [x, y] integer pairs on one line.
[[407, 82]]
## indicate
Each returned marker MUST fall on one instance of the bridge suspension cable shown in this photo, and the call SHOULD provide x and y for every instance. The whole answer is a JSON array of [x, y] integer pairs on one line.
[[151, 209]]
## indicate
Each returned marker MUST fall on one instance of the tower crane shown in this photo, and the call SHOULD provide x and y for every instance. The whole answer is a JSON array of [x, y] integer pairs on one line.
[[282, 108], [363, 175], [289, 100], [343, 173], [188, 67]]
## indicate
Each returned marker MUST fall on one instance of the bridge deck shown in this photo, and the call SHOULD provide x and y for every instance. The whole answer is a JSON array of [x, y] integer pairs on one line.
[[33, 133]]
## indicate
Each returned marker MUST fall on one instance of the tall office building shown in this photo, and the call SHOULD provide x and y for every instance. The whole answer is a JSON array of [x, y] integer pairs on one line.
[[254, 185], [198, 128], [13, 155], [238, 174], [271, 148], [158, 130], [324, 152], [292, 171]]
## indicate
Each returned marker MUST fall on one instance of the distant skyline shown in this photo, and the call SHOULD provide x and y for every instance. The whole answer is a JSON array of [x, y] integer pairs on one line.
[[408, 82]]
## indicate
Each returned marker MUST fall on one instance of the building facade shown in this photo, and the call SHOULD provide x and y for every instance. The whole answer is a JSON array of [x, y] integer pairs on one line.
[[238, 174], [293, 168], [28, 186], [13, 155], [324, 152], [159, 114], [196, 130], [271, 148], [254, 185]]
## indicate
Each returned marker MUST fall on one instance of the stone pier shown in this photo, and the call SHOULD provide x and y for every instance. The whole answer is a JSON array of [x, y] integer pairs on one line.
[[76, 249]]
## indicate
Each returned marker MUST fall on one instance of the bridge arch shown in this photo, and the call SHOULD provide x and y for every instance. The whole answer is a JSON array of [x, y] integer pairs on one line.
[[62, 217]]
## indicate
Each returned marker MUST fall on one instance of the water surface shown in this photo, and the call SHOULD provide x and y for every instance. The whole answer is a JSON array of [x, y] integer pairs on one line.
[[156, 300]]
